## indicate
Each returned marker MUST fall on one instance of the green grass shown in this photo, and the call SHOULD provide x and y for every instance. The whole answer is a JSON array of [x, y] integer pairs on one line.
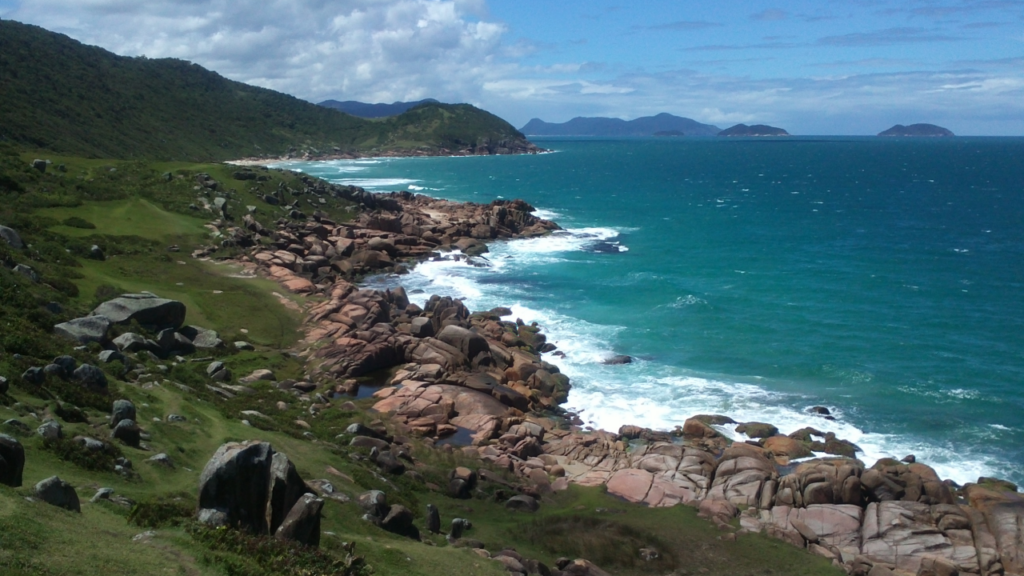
[[132, 217]]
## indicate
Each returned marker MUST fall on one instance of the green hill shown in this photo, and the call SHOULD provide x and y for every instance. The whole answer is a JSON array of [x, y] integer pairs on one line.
[[64, 96]]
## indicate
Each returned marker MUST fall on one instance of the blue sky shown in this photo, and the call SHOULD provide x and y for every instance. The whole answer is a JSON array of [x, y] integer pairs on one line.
[[853, 67]]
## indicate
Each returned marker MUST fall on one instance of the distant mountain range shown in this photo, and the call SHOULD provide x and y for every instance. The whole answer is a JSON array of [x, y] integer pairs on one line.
[[916, 130], [646, 126], [364, 110], [755, 130]]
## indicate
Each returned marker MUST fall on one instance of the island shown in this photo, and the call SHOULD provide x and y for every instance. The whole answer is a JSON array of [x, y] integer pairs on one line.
[[917, 130], [599, 126], [755, 130]]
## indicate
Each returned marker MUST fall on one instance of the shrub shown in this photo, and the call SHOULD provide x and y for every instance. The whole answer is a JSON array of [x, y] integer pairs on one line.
[[70, 451], [76, 222], [241, 554], [167, 510]]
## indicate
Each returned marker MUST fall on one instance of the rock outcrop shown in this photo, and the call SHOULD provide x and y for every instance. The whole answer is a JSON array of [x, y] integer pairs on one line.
[[251, 487]]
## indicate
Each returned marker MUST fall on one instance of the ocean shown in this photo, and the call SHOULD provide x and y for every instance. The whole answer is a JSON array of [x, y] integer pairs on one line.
[[757, 278]]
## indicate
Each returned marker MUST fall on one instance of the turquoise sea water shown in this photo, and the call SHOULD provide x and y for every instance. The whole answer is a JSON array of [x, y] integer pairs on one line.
[[756, 278]]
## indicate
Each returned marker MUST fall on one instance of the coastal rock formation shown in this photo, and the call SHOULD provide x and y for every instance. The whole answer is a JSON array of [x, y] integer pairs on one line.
[[917, 130], [482, 379], [146, 309]]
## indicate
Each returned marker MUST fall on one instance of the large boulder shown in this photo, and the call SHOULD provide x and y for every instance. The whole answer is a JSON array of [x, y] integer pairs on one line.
[[55, 491], [249, 486], [146, 309], [12, 461], [84, 330]]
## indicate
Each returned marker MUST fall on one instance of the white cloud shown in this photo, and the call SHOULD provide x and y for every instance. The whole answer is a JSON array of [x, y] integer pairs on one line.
[[316, 49]]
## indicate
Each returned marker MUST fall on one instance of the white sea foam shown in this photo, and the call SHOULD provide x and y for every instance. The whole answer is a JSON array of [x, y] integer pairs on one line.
[[377, 183], [546, 214]]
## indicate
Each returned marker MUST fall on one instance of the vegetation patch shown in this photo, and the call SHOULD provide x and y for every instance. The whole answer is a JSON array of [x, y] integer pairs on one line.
[[241, 554]]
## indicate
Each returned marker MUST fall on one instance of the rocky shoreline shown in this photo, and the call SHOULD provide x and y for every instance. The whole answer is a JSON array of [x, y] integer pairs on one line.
[[477, 382]]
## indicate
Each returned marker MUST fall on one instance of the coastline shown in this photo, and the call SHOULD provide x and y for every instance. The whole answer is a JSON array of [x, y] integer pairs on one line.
[[482, 379], [440, 153]]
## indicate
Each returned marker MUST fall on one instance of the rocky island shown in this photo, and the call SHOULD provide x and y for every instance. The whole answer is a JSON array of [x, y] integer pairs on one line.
[[917, 130], [755, 130]]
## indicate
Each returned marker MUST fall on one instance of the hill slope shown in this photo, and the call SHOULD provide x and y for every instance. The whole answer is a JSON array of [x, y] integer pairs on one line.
[[645, 126], [364, 110], [61, 95]]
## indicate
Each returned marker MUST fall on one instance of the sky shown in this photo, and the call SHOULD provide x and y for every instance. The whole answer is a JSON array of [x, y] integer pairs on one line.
[[813, 67]]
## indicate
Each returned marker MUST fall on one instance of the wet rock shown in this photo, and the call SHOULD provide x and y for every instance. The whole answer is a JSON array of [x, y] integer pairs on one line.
[[12, 461], [620, 359], [757, 430], [59, 493]]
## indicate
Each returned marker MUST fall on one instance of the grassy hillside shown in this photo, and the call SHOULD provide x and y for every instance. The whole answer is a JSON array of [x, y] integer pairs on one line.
[[63, 96], [134, 211]]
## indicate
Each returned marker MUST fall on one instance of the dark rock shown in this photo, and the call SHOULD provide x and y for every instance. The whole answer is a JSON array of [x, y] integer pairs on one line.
[[620, 359], [91, 444], [272, 200], [302, 524], [67, 363], [459, 526], [34, 376], [201, 337], [433, 519], [40, 165], [244, 175], [96, 253], [59, 493], [820, 410], [27, 272], [84, 330], [132, 342], [16, 425], [55, 371], [250, 486], [50, 430], [369, 442], [522, 503], [12, 461], [11, 237], [122, 410], [389, 462], [108, 356], [146, 309], [91, 377], [128, 431], [400, 521], [4, 385], [374, 503]]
